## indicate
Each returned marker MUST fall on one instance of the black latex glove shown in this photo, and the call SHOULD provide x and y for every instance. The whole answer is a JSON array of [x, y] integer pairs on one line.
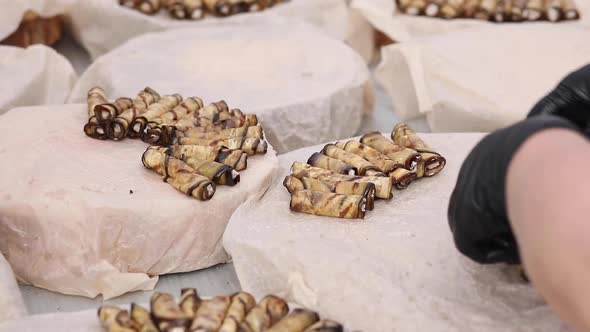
[[477, 209], [570, 100]]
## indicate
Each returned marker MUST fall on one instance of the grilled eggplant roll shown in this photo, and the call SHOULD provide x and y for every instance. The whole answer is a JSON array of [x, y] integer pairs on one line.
[[329, 204], [219, 173], [143, 318], [219, 7], [408, 157], [366, 190], [375, 157], [517, 10], [383, 185], [178, 174], [155, 110], [166, 313], [534, 10], [249, 145], [405, 136], [252, 132], [149, 7], [107, 112], [416, 7], [241, 304], [189, 301], [298, 320], [433, 7], [486, 9], [470, 7], [161, 130], [211, 314], [237, 159], [107, 314], [452, 9], [93, 128], [335, 165], [358, 162], [570, 11], [119, 126], [186, 9], [129, 3], [325, 326]]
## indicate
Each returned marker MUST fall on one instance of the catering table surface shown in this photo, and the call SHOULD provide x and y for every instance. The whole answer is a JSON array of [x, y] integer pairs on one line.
[[217, 280]]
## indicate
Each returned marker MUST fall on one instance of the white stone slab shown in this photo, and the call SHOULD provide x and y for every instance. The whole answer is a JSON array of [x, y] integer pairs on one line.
[[305, 87], [33, 76], [84, 217], [397, 270], [102, 25]]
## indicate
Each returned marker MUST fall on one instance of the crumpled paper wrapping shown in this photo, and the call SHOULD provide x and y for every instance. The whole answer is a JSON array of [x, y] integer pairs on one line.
[[84, 217], [102, 25], [305, 87], [480, 79], [33, 76], [396, 270], [11, 301], [12, 12]]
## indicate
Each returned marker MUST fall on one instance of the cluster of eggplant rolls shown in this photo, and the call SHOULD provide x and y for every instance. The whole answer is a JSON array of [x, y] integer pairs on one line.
[[344, 179], [197, 9], [493, 10], [194, 147], [234, 313]]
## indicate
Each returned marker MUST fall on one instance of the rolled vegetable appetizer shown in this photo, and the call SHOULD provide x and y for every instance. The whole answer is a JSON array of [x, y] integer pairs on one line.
[[93, 128], [503, 10], [433, 7], [155, 110], [470, 7], [120, 125], [297, 321], [383, 185], [237, 159], [129, 3], [486, 9], [338, 166], [570, 10], [186, 9], [149, 7], [360, 163], [553, 10], [251, 146], [219, 173], [408, 157], [366, 190], [244, 6], [534, 10], [257, 320], [517, 10], [178, 174], [405, 136], [159, 130], [143, 318], [252, 132], [189, 301], [219, 7], [325, 326], [166, 313], [275, 306], [416, 7], [329, 204], [452, 9], [108, 111], [375, 157], [211, 314], [107, 315], [241, 304]]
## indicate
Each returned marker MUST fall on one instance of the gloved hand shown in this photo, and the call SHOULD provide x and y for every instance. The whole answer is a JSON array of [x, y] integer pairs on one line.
[[570, 100], [477, 210]]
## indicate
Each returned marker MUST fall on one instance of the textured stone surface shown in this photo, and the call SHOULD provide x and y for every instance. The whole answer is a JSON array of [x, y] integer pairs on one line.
[[11, 302], [84, 217], [397, 270], [305, 87]]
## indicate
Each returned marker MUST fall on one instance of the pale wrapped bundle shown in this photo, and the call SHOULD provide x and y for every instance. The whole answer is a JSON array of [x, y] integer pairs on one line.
[[329, 204], [383, 185], [118, 129], [409, 158], [236, 159], [165, 105], [367, 189], [246, 131], [249, 145], [358, 162], [401, 176], [178, 174], [405, 136], [335, 165], [93, 128], [186, 9]]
